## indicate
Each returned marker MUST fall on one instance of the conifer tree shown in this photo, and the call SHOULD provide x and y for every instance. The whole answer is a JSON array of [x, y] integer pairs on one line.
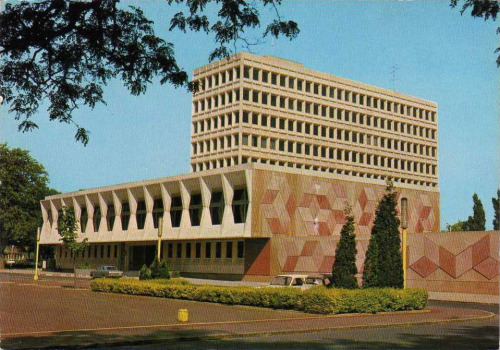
[[476, 222], [384, 268], [344, 268], [496, 211]]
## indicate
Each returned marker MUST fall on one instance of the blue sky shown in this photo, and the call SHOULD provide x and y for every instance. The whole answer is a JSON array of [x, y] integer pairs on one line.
[[440, 56]]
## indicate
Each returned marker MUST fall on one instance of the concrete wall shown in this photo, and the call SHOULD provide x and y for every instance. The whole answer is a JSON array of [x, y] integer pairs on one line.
[[302, 214], [460, 266]]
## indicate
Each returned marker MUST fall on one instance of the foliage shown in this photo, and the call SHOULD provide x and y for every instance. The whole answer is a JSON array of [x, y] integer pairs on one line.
[[496, 211], [67, 227], [384, 268], [65, 51], [144, 273], [23, 183], [164, 271], [344, 268], [476, 222], [155, 268], [457, 226], [481, 9], [370, 267], [319, 300]]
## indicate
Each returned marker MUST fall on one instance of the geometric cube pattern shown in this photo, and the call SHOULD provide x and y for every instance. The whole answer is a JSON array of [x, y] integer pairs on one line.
[[456, 256], [304, 215]]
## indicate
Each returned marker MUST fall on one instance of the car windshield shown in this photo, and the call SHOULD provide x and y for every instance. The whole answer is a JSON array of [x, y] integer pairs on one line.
[[281, 281], [110, 268], [313, 280]]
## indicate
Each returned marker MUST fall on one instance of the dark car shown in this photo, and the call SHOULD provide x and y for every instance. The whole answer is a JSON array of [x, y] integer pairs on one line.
[[106, 271]]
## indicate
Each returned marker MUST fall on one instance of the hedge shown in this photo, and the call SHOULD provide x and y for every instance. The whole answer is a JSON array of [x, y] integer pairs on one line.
[[317, 300]]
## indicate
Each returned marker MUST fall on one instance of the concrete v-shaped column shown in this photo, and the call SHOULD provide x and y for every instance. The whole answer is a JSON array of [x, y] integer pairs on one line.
[[206, 196], [186, 198], [55, 217], [90, 213], [78, 212], [248, 220], [228, 191], [132, 202], [167, 203], [103, 225], [117, 225], [148, 198], [45, 220]]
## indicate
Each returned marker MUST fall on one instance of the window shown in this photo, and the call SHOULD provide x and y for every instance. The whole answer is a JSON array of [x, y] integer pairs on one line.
[[176, 211], [195, 207], [208, 250], [157, 211], [240, 249], [217, 208], [97, 218], [109, 251], [197, 248], [240, 205], [255, 74], [218, 250], [95, 251], [246, 72], [102, 251], [229, 250], [83, 219], [141, 214], [179, 251], [115, 251], [188, 250], [170, 250]]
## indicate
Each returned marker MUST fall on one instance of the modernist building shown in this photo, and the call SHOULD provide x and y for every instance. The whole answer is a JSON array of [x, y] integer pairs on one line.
[[277, 152]]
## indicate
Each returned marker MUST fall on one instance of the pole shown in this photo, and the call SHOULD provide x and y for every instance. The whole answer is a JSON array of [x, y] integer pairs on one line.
[[37, 251], [404, 258], [160, 232], [404, 225]]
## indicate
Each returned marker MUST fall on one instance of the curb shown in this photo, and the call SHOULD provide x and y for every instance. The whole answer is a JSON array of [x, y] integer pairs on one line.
[[489, 315]]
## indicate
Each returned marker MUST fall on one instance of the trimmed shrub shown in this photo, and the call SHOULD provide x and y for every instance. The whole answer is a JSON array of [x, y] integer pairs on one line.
[[317, 300], [155, 268], [164, 270], [145, 273]]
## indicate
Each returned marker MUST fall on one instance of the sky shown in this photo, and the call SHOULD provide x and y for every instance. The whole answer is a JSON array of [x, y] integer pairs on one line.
[[436, 54]]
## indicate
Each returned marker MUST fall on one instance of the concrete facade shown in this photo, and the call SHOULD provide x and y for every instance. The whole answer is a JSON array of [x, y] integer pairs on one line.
[[277, 153]]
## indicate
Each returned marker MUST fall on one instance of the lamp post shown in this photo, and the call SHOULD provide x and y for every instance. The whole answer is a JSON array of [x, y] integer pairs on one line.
[[404, 225], [37, 251], [160, 232]]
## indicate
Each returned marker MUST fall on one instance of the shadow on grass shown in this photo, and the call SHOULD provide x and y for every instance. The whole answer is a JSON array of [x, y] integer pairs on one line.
[[455, 336]]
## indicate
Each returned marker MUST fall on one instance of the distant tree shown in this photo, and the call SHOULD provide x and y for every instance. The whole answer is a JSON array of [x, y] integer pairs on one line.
[[496, 210], [481, 9], [23, 183], [155, 268], [476, 222], [67, 227], [344, 268], [64, 52], [144, 273], [457, 226], [383, 262], [164, 271]]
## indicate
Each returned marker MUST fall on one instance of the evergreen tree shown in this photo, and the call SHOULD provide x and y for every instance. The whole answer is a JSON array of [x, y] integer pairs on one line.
[[164, 271], [370, 268], [155, 268], [496, 211], [344, 268], [384, 268], [476, 222]]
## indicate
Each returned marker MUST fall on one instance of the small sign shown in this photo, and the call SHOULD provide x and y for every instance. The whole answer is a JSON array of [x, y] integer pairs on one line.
[[44, 264]]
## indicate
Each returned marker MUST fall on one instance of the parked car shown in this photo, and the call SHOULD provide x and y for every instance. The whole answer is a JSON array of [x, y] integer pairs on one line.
[[314, 280], [288, 281], [106, 271]]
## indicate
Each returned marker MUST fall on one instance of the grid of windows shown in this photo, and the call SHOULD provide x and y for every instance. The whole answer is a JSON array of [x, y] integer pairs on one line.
[[304, 119]]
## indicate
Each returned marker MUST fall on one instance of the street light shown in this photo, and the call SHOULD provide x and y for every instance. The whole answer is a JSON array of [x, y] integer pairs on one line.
[[160, 232], [37, 251], [404, 225]]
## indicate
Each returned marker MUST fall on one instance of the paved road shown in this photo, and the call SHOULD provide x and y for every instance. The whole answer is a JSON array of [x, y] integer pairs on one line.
[[460, 335], [34, 310]]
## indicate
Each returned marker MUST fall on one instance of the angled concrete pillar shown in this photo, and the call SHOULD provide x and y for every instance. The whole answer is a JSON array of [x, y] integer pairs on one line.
[[117, 225], [103, 225], [186, 198], [228, 191], [148, 198], [167, 202], [132, 202], [206, 196], [90, 214]]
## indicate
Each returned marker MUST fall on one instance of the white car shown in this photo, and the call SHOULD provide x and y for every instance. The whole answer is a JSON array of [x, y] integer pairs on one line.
[[288, 281]]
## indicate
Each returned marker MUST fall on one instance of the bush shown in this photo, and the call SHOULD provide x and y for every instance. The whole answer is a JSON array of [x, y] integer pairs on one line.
[[155, 268], [145, 273], [317, 300], [164, 270]]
